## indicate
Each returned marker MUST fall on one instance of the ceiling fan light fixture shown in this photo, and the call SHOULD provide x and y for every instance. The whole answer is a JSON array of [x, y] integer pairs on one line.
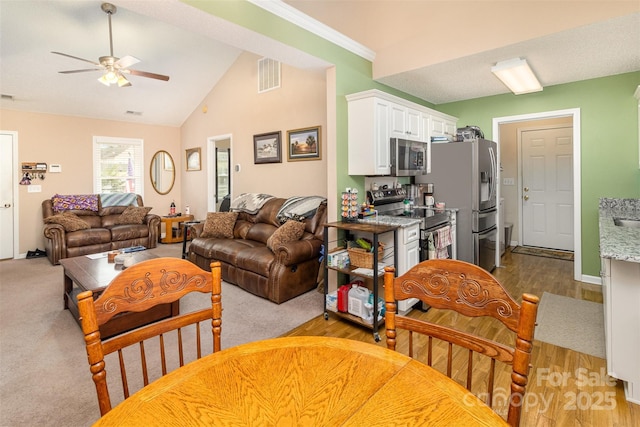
[[517, 76], [122, 81]]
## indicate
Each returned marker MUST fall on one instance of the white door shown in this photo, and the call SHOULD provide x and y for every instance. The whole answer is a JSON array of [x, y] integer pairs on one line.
[[7, 204], [547, 188]]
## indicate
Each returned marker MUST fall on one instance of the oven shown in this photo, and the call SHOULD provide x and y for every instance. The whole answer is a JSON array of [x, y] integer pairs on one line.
[[437, 235]]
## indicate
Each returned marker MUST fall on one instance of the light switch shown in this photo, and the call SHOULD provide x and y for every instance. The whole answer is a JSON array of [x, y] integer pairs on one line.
[[508, 181]]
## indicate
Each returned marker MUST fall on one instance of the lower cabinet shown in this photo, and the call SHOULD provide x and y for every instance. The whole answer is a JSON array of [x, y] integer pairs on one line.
[[621, 295]]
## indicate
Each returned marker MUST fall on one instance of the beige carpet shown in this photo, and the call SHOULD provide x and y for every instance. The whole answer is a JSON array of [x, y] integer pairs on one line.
[[44, 375], [571, 323]]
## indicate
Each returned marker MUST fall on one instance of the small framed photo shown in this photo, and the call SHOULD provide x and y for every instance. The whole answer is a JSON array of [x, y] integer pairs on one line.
[[304, 144], [193, 159], [267, 148]]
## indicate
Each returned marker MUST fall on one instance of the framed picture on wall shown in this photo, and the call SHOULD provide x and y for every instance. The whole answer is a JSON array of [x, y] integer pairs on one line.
[[193, 159], [304, 144], [267, 148]]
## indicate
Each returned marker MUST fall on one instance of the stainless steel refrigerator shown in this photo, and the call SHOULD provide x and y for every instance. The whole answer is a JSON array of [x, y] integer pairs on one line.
[[464, 175]]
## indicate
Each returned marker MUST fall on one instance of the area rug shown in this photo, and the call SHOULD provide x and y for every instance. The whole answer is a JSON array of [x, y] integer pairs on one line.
[[571, 323], [547, 253], [42, 355]]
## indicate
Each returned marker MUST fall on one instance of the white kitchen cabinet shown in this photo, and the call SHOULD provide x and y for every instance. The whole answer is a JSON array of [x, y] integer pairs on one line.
[[621, 299], [443, 126], [408, 256], [375, 116], [369, 148], [406, 123]]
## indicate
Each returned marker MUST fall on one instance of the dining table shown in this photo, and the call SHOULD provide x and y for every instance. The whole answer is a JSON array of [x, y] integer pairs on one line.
[[303, 381]]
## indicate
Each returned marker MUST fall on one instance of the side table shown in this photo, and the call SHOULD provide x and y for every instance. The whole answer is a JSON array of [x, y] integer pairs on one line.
[[185, 237], [168, 222]]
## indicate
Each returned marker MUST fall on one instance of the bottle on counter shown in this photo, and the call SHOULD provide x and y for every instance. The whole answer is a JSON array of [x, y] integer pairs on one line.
[[172, 208]]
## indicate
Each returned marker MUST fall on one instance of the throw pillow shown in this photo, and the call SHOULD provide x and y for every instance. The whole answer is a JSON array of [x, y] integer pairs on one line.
[[69, 221], [133, 215], [290, 231], [219, 225]]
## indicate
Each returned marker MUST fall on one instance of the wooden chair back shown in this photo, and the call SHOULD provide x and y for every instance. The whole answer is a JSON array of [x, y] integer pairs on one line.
[[139, 288], [473, 292]]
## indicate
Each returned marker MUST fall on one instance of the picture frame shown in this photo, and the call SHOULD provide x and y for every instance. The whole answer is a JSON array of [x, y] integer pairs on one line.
[[304, 144], [267, 148], [193, 159]]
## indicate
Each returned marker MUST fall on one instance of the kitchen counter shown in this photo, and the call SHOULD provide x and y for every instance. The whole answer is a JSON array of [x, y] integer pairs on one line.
[[619, 242]]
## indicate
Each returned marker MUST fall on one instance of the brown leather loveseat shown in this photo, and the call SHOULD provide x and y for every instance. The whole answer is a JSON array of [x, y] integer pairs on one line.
[[78, 225], [275, 270]]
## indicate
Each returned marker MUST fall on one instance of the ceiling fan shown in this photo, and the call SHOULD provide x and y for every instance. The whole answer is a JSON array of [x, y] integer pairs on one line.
[[114, 68]]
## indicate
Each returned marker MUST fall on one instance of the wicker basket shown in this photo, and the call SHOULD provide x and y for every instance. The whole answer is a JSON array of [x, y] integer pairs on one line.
[[359, 257]]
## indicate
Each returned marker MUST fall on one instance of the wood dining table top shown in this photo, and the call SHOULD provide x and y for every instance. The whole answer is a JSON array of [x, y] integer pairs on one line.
[[304, 381]]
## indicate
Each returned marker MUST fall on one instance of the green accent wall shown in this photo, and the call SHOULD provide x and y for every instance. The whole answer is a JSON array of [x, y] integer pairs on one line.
[[609, 139], [609, 113]]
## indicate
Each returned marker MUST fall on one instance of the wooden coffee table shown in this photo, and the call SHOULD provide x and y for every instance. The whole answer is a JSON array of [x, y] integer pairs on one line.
[[83, 273]]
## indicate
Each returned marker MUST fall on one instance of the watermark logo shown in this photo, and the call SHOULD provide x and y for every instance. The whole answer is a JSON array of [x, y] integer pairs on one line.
[[592, 400]]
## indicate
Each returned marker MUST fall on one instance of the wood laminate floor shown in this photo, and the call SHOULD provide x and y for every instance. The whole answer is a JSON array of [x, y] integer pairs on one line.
[[566, 388]]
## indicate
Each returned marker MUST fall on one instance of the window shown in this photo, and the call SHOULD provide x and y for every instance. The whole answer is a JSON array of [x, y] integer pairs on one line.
[[118, 165]]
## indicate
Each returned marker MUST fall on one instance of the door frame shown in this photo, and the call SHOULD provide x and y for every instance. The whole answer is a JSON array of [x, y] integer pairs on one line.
[[574, 113], [520, 131], [211, 169], [16, 193]]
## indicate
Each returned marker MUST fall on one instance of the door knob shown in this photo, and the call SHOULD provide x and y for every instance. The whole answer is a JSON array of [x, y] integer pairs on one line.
[[526, 197], [7, 205], [526, 188]]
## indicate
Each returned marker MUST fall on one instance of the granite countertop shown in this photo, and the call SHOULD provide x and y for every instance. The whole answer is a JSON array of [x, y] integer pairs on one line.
[[400, 221], [617, 242]]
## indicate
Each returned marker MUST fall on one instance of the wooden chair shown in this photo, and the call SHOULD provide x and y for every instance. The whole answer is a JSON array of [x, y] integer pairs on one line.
[[471, 291], [138, 288]]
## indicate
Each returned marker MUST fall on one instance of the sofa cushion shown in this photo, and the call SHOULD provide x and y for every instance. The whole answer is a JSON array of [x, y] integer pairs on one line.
[[120, 233], [70, 222], [290, 231], [77, 201], [219, 225], [90, 236], [257, 260], [224, 250]]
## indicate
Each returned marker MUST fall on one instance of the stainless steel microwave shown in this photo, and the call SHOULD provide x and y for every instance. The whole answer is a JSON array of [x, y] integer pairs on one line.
[[408, 158]]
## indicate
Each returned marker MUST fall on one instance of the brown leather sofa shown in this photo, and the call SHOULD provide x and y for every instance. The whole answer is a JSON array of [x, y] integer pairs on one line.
[[103, 235], [247, 261]]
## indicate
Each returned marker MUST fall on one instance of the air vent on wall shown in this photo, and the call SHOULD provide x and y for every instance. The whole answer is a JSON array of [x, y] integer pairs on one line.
[[268, 74], [133, 113]]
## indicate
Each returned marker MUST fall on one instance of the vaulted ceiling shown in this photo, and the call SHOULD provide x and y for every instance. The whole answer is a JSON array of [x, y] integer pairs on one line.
[[440, 51]]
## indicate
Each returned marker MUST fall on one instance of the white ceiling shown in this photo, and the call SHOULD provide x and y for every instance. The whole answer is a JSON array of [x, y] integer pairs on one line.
[[196, 49]]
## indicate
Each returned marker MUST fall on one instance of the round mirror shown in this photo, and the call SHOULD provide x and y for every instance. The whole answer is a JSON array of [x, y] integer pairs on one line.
[[162, 172]]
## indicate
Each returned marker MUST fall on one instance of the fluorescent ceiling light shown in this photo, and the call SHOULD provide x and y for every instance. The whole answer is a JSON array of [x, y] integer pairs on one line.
[[517, 76]]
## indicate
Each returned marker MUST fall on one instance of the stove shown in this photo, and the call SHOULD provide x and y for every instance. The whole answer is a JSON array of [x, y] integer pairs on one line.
[[389, 203]]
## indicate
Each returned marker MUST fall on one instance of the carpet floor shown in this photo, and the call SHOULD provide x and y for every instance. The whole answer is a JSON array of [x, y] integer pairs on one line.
[[548, 253], [44, 375], [571, 323]]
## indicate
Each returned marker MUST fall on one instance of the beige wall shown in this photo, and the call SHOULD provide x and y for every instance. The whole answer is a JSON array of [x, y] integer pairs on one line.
[[511, 167], [68, 141], [234, 107]]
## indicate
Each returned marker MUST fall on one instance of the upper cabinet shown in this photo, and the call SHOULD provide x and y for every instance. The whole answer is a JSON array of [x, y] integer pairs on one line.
[[374, 117], [406, 123]]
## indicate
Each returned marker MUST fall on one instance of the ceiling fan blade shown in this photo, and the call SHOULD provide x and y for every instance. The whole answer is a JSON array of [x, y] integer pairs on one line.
[[79, 59], [146, 74], [126, 62], [80, 71]]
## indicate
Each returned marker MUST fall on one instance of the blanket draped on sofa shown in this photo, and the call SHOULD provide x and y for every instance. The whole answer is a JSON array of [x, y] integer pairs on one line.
[[250, 202]]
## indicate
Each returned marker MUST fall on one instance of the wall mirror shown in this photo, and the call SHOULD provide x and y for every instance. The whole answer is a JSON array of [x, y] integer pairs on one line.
[[162, 172]]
